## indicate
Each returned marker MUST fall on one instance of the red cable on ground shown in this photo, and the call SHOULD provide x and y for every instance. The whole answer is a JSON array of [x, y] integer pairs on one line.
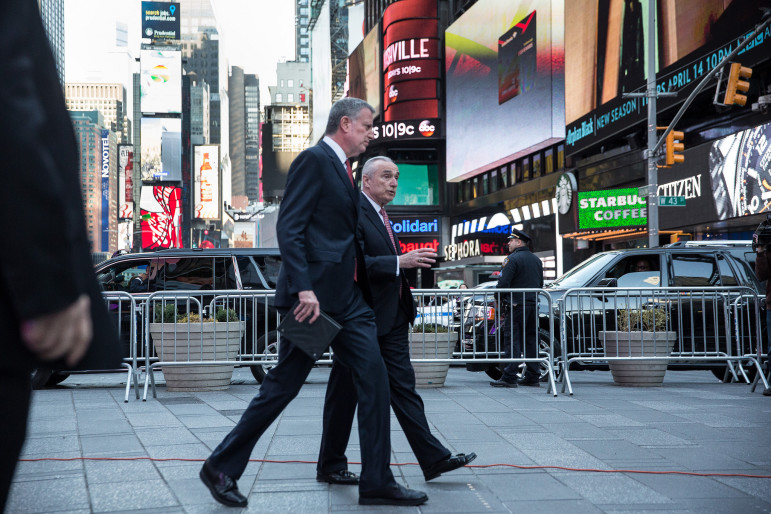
[[481, 466]]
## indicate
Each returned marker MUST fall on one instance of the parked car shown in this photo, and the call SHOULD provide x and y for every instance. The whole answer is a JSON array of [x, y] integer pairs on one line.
[[199, 270], [679, 265]]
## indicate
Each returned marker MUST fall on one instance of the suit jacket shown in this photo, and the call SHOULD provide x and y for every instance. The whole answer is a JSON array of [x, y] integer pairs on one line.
[[381, 257], [316, 230], [45, 264]]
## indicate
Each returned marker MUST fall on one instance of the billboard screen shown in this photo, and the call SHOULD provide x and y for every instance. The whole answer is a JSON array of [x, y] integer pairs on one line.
[[161, 149], [607, 56], [161, 212], [244, 234], [160, 20], [504, 65], [125, 182], [364, 70], [125, 235], [206, 166], [104, 152], [611, 208], [411, 60], [160, 81]]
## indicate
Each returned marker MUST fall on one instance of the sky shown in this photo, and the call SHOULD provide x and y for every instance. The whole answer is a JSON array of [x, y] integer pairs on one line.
[[255, 35]]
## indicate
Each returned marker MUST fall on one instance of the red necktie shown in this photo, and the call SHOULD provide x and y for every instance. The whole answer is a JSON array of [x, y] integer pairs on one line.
[[350, 171], [393, 241]]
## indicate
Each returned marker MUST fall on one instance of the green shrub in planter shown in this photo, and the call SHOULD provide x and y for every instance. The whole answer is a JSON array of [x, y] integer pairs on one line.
[[429, 328], [649, 319]]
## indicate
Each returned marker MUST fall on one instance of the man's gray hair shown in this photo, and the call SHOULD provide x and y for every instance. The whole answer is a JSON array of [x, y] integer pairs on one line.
[[372, 164], [345, 107]]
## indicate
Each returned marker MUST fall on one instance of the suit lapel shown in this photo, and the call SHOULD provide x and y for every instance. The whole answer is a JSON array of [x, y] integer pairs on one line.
[[374, 218], [342, 173]]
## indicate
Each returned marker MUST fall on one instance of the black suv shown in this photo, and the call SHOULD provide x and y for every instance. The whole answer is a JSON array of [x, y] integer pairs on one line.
[[679, 265]]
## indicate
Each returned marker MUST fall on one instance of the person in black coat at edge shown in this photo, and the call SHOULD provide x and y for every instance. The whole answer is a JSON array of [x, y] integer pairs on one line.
[[394, 311], [51, 310], [763, 272], [521, 270], [322, 269]]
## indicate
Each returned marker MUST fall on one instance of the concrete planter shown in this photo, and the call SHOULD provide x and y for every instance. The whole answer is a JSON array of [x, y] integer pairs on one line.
[[202, 342], [431, 346], [638, 372]]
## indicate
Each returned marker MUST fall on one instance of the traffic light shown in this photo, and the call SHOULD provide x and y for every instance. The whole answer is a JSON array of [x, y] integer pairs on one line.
[[735, 83], [673, 147]]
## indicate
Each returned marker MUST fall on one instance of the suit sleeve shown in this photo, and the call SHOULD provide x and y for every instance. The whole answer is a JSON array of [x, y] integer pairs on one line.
[[378, 266], [39, 201], [303, 189]]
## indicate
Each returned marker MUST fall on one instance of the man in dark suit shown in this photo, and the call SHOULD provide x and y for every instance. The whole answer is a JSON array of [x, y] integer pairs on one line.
[[50, 304], [320, 258], [394, 311]]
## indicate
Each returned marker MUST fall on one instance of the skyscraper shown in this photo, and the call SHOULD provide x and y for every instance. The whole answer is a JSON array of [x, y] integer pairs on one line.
[[237, 121], [108, 99], [302, 35], [52, 13], [253, 121]]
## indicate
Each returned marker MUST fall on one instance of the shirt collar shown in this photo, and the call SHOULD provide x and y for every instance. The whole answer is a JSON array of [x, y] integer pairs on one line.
[[336, 148], [375, 205]]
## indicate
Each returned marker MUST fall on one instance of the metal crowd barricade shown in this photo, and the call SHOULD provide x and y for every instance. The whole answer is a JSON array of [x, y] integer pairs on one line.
[[477, 316], [711, 324], [465, 312], [122, 307]]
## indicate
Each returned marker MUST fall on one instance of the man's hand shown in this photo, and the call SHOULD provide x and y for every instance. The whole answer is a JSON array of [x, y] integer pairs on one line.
[[420, 258], [66, 333], [308, 306]]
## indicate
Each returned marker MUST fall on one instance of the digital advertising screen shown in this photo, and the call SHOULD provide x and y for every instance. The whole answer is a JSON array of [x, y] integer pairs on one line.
[[206, 178], [125, 182], [418, 185], [505, 84], [161, 149], [606, 56], [160, 20], [160, 208], [611, 208], [244, 234], [411, 60], [364, 70], [160, 81]]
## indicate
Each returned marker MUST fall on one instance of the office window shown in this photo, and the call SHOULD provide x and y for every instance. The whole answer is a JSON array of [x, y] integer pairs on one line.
[[279, 97], [494, 178], [290, 83], [526, 175], [536, 158], [548, 160], [290, 97], [560, 156], [485, 181]]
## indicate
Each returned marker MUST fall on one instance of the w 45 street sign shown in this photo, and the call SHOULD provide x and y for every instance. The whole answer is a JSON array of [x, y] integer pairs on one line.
[[671, 201]]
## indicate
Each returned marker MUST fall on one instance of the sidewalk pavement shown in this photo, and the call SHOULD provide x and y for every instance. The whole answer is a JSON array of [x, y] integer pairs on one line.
[[693, 423]]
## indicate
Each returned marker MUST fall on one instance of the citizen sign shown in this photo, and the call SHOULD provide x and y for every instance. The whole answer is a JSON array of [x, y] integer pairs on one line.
[[410, 129]]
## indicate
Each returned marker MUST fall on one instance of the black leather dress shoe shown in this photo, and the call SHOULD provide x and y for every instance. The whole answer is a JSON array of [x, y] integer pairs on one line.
[[222, 487], [396, 495], [529, 382], [448, 464], [342, 477], [503, 383]]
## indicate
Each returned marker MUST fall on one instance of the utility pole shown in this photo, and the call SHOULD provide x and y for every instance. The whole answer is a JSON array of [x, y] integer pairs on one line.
[[650, 92]]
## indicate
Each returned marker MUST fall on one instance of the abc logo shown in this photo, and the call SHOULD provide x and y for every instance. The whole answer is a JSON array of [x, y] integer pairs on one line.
[[426, 129], [392, 93]]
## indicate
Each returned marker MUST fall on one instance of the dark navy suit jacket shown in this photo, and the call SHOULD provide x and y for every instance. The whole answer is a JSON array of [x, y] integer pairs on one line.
[[316, 232], [380, 257]]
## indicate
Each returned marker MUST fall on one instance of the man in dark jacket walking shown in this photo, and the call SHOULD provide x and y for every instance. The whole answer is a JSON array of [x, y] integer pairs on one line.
[[521, 270]]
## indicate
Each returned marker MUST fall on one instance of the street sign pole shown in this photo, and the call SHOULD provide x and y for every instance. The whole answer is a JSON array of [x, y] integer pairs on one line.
[[653, 173]]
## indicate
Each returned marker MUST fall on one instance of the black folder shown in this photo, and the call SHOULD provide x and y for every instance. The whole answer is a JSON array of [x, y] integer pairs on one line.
[[313, 339]]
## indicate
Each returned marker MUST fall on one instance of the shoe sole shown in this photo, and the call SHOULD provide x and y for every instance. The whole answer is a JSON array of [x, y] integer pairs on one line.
[[398, 503], [335, 482], [209, 486], [437, 475]]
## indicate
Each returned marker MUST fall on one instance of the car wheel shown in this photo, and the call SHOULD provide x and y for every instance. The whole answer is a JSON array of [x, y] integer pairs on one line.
[[267, 344]]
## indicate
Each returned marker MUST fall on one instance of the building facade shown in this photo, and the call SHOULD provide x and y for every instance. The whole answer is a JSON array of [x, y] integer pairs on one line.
[[108, 99], [237, 120], [252, 144], [52, 13]]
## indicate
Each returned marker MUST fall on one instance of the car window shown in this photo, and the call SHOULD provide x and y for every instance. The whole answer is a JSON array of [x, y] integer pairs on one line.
[[269, 267], [727, 277], [250, 276], [645, 263], [581, 274], [640, 279], [695, 271], [118, 276], [187, 273]]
